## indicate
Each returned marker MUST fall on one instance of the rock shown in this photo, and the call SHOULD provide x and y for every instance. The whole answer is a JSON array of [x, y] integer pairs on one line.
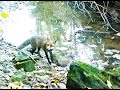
[[61, 85], [23, 60], [117, 56], [63, 62], [43, 79], [82, 76], [40, 86], [1, 67], [26, 87]]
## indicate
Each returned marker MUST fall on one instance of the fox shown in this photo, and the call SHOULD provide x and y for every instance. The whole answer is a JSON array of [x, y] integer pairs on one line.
[[38, 42]]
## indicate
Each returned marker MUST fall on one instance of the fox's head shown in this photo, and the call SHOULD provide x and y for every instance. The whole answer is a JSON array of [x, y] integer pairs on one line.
[[50, 44]]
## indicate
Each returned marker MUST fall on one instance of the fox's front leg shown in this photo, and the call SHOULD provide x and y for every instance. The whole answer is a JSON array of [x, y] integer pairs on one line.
[[51, 55], [47, 57]]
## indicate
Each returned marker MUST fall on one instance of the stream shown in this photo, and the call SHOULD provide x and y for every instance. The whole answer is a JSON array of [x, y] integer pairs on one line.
[[96, 50], [90, 48]]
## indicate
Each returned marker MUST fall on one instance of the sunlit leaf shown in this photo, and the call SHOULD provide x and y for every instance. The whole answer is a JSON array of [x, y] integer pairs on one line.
[[109, 84], [15, 85], [62, 3], [1, 30], [4, 14], [56, 81], [118, 34]]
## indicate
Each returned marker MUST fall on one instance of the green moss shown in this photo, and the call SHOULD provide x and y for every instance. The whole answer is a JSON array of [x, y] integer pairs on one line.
[[85, 75]]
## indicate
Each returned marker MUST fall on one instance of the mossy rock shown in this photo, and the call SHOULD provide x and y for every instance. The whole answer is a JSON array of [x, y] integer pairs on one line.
[[23, 60], [27, 65], [84, 76]]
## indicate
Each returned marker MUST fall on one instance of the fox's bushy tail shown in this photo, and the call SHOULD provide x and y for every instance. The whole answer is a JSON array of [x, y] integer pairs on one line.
[[24, 44]]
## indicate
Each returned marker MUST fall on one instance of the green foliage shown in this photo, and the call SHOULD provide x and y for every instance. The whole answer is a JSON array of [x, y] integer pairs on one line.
[[44, 11], [4, 15], [18, 76], [53, 13], [1, 31]]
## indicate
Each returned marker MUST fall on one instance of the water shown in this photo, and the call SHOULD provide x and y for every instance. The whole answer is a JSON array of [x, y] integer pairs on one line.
[[96, 51], [20, 25]]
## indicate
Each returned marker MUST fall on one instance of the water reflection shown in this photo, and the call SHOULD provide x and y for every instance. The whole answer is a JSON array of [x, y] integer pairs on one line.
[[91, 50]]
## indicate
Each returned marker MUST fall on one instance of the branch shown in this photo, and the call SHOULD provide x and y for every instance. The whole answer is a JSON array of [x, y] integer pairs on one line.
[[81, 6], [103, 15]]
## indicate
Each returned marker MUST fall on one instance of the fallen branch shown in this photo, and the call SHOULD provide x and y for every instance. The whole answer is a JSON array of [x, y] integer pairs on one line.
[[91, 31]]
